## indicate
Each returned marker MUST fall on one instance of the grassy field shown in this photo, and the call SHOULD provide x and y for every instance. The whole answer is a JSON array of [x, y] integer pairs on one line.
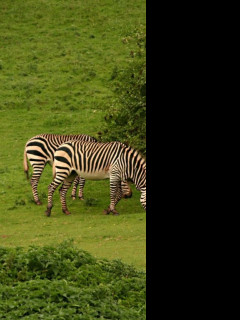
[[57, 60]]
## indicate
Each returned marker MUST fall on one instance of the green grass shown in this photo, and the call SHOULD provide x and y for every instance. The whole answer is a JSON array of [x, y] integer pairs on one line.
[[57, 59]]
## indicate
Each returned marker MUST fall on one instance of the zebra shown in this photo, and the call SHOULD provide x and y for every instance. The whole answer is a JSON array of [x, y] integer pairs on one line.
[[39, 151], [97, 161]]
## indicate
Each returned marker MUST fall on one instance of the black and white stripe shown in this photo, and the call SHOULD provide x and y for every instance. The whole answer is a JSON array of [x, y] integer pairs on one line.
[[97, 161], [40, 150]]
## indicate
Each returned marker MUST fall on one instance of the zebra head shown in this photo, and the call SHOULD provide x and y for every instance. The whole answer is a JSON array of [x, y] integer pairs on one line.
[[142, 187], [143, 199], [135, 169]]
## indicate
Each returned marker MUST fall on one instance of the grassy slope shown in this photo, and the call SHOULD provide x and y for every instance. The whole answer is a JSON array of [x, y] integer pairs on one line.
[[56, 62]]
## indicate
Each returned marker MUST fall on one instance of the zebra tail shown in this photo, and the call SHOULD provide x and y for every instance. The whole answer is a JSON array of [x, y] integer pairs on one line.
[[25, 164]]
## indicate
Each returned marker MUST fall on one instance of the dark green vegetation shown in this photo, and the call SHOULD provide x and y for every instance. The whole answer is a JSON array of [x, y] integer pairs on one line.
[[126, 117], [66, 283]]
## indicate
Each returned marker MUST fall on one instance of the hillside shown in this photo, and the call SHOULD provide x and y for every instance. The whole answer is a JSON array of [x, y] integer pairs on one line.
[[57, 61]]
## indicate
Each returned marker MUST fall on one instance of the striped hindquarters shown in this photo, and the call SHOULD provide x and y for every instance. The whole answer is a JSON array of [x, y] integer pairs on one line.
[[41, 148]]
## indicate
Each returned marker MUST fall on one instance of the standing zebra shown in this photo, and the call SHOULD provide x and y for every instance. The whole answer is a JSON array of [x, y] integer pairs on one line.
[[97, 161], [40, 149]]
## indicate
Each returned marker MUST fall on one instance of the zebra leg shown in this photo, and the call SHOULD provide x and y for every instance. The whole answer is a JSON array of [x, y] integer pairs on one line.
[[51, 189], [115, 195], [37, 172], [81, 186], [74, 189], [63, 191]]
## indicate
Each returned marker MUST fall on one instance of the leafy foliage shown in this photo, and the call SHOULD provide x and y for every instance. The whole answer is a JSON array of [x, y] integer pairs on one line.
[[63, 282], [126, 117]]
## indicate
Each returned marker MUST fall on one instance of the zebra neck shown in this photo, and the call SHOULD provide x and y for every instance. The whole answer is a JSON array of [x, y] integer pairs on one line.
[[134, 167], [137, 176]]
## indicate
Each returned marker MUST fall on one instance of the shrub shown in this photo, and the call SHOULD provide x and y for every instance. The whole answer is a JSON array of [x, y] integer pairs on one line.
[[125, 119], [62, 282]]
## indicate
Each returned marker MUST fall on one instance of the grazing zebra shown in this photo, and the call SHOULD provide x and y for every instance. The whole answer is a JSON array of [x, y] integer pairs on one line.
[[97, 161], [40, 149]]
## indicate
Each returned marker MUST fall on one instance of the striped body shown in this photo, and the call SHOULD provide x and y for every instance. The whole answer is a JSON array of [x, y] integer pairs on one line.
[[97, 161], [40, 150]]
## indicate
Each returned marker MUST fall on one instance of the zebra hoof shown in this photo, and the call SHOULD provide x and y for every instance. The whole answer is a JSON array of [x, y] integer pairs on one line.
[[115, 213], [73, 197], [81, 198], [106, 212], [66, 212], [47, 213], [38, 203]]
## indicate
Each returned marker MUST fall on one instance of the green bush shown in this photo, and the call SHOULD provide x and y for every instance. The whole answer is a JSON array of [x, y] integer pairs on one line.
[[126, 116], [63, 282]]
